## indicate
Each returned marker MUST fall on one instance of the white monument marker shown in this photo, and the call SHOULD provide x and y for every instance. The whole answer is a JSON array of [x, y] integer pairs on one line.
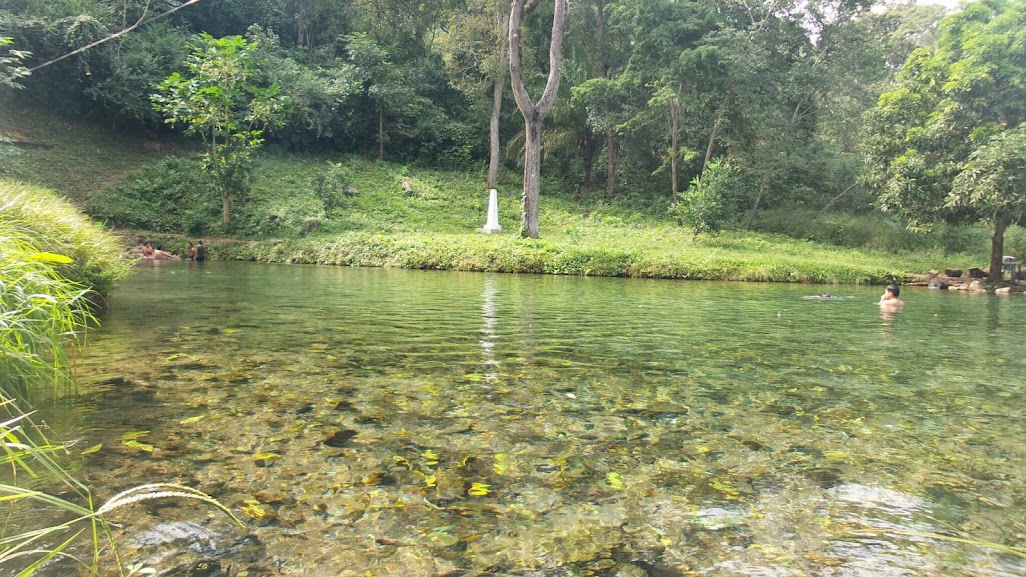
[[492, 225]]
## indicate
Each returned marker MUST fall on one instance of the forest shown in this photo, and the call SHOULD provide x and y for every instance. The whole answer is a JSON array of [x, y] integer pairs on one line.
[[714, 113]]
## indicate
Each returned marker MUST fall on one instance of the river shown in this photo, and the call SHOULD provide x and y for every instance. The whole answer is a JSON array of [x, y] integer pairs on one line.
[[392, 422]]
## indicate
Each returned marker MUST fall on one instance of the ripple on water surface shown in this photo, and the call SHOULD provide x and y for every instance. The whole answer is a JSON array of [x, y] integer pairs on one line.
[[424, 423]]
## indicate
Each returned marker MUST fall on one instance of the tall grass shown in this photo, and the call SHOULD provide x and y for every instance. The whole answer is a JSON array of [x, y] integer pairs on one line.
[[41, 314], [28, 456], [53, 225]]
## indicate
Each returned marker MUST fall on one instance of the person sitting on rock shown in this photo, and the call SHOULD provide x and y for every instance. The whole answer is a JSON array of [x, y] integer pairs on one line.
[[890, 297]]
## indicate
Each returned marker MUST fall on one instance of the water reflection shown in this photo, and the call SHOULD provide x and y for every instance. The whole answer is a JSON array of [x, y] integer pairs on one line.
[[628, 427], [489, 315]]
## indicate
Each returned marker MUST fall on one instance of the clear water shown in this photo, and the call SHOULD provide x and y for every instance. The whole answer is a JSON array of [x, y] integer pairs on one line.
[[386, 422]]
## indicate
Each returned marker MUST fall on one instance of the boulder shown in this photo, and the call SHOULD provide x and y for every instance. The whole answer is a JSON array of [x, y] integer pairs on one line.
[[976, 286], [1007, 290], [936, 283]]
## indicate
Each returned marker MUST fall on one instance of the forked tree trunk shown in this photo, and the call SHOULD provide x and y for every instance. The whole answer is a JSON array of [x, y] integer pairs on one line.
[[533, 113]]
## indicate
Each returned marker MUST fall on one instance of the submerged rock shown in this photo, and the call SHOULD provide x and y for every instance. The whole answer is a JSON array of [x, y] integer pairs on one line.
[[340, 438], [204, 568]]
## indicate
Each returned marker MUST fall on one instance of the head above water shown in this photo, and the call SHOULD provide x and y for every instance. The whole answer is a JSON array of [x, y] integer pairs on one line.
[[894, 289]]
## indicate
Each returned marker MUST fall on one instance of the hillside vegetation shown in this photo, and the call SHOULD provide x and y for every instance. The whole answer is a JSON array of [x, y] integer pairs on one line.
[[347, 210]]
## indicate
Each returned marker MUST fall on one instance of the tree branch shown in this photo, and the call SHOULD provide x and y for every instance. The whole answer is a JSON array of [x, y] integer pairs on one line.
[[115, 35]]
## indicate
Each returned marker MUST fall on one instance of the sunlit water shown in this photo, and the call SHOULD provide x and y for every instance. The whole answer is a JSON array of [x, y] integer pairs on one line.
[[383, 422]]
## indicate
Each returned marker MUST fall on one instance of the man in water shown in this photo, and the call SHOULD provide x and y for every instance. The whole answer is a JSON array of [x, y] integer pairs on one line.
[[201, 251], [890, 298]]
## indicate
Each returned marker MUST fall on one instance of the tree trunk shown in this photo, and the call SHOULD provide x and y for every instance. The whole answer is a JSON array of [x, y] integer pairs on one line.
[[674, 129], [494, 144], [610, 165], [301, 25], [381, 131], [997, 247], [711, 145], [588, 146], [532, 179], [226, 207], [600, 7], [533, 113], [500, 87], [755, 205], [226, 201]]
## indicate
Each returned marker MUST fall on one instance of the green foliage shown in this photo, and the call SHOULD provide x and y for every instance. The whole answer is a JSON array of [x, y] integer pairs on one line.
[[333, 185], [172, 196], [11, 68], [701, 206], [122, 87], [961, 243], [219, 102], [55, 226], [42, 313], [936, 149], [317, 96], [994, 177]]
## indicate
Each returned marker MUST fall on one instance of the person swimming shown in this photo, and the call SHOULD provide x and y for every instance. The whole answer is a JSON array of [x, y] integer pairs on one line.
[[890, 297]]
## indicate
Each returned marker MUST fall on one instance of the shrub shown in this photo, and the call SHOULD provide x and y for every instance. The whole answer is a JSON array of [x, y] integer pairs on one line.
[[172, 196]]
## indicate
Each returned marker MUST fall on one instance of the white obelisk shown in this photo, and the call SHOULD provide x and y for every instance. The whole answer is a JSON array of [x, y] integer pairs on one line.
[[492, 225]]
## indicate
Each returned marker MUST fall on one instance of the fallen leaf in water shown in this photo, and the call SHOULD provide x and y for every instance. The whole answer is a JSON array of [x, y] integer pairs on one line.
[[479, 490], [133, 435], [252, 509], [92, 449], [500, 466], [138, 445]]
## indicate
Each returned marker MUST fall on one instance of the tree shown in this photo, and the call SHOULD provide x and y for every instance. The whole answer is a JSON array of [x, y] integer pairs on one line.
[[11, 68], [534, 113], [943, 142], [219, 101]]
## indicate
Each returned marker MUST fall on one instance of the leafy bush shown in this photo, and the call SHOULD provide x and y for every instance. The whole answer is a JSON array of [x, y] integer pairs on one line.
[[702, 205], [875, 231], [333, 185], [172, 196]]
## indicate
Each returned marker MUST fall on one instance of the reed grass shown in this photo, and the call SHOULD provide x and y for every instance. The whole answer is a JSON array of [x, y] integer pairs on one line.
[[52, 225]]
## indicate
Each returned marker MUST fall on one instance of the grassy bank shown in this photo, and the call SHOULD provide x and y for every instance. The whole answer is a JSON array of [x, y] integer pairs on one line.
[[646, 254], [52, 225], [348, 210]]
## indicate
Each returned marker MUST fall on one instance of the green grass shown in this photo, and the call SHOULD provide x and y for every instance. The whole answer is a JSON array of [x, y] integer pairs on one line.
[[70, 155], [336, 209]]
